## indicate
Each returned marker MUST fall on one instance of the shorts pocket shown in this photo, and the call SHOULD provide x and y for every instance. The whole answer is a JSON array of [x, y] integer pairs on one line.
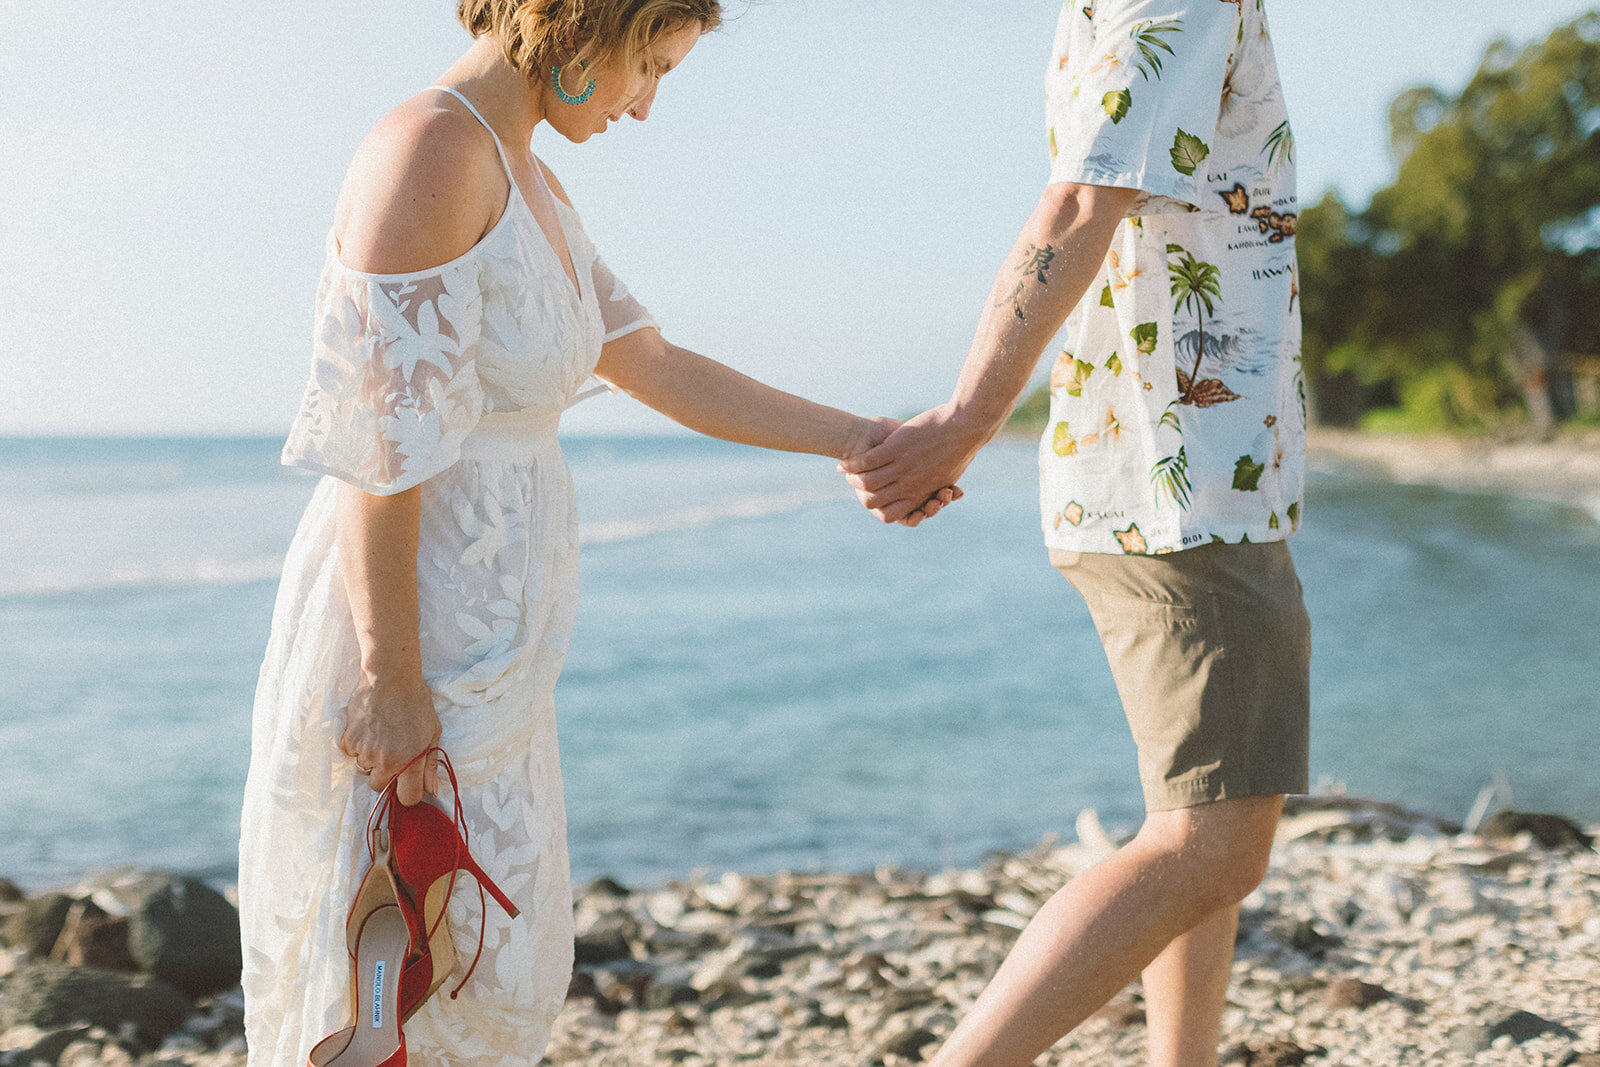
[[1172, 671]]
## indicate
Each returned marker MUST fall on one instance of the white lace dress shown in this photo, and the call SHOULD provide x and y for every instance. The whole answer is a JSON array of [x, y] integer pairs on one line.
[[453, 379]]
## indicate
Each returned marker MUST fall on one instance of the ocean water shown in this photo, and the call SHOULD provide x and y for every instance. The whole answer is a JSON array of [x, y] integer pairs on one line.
[[762, 675]]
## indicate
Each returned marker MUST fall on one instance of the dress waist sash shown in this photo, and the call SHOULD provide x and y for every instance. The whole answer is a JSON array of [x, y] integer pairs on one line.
[[511, 435]]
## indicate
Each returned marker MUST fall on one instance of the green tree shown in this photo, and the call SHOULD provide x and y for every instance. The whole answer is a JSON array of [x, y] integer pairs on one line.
[[1458, 291]]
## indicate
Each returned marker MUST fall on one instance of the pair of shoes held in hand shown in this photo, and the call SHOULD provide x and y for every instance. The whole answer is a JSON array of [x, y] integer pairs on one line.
[[400, 946]]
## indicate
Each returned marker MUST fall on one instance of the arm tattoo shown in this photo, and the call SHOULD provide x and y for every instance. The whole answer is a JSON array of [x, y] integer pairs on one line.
[[1035, 261]]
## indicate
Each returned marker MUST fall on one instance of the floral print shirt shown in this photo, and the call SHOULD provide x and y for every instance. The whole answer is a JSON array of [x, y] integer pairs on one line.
[[1177, 413]]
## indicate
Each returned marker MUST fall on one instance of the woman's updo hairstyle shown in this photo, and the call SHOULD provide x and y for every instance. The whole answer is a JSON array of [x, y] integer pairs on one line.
[[536, 35]]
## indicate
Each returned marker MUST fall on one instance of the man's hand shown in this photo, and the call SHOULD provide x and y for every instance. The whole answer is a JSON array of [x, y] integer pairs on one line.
[[913, 473]]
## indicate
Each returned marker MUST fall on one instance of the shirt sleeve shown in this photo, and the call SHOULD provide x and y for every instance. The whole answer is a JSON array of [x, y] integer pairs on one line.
[[394, 389], [1133, 94]]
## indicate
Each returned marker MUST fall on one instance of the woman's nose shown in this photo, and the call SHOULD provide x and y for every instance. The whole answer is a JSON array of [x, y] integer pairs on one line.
[[641, 107]]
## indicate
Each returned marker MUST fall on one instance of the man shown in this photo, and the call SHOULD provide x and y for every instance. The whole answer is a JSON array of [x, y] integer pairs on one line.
[[1172, 471]]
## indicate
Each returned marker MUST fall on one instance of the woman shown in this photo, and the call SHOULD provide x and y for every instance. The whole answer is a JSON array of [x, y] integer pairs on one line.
[[431, 587]]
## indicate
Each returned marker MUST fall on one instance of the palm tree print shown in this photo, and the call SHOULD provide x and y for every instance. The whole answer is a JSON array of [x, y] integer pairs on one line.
[[1196, 284], [1279, 148], [1147, 35], [1171, 476]]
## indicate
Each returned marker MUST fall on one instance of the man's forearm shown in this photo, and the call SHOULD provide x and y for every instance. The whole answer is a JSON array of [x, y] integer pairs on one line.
[[1051, 266]]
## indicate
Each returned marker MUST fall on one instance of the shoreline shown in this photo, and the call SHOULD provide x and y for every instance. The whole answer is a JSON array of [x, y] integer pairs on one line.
[[1564, 470], [1380, 935]]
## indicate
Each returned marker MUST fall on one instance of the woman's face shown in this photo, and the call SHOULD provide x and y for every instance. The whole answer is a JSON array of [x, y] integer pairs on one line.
[[617, 91]]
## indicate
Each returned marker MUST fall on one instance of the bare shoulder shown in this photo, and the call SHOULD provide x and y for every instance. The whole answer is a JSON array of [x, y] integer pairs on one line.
[[423, 188], [555, 184]]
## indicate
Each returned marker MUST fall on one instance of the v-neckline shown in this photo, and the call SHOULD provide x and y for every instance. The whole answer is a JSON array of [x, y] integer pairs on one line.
[[563, 263], [567, 265]]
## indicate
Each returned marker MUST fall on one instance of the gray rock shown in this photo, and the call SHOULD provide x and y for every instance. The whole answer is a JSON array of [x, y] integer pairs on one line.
[[673, 985], [603, 942], [1469, 1039], [27, 1043], [1551, 831], [187, 934], [9, 893], [1353, 993], [1523, 1026], [1277, 1054], [904, 1040], [36, 927], [91, 938], [49, 996], [1581, 1059]]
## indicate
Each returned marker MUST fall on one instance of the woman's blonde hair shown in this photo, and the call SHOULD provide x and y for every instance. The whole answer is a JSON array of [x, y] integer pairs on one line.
[[536, 35]]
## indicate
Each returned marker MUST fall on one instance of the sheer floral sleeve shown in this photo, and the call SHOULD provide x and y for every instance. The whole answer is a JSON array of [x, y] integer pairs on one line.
[[394, 389], [620, 313]]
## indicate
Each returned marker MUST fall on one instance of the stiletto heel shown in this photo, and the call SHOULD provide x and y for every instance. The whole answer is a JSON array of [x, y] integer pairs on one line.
[[380, 943], [429, 850]]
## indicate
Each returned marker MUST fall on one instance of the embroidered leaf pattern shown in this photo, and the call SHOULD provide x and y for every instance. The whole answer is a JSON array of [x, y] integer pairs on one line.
[[1144, 337], [1171, 476], [1070, 374], [1294, 516], [1247, 474], [1105, 296], [1116, 104], [1149, 36], [1114, 365], [1279, 148], [1188, 151], [1062, 442], [1169, 417]]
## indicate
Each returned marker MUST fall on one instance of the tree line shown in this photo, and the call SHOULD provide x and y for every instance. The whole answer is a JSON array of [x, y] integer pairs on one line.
[[1468, 290], [1467, 293]]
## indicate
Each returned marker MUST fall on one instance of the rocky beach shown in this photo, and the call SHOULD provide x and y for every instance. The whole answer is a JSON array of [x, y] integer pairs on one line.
[[1380, 936]]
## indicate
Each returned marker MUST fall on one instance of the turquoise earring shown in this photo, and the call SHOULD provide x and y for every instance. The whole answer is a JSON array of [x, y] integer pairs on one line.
[[566, 97]]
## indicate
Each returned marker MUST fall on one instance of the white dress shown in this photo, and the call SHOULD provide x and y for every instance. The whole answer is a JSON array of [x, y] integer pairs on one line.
[[452, 378]]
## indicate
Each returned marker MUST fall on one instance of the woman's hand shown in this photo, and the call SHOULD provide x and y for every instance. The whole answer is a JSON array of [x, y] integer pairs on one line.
[[387, 724], [864, 443]]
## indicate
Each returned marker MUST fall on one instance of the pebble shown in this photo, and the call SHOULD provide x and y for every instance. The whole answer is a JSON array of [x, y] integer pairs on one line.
[[1378, 936]]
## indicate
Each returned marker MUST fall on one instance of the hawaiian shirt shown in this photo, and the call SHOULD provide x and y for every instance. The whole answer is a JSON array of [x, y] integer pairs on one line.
[[1177, 413]]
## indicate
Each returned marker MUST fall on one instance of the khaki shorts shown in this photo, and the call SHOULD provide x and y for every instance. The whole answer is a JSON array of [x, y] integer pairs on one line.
[[1211, 651]]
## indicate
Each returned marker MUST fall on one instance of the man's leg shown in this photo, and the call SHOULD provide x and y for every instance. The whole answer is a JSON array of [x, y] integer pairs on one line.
[[1185, 990], [1106, 925]]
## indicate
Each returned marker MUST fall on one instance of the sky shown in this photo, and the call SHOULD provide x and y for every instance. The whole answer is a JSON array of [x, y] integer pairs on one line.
[[820, 197]]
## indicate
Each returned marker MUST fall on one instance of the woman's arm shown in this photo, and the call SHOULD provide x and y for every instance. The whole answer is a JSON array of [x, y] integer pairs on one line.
[[420, 192], [717, 400], [390, 718]]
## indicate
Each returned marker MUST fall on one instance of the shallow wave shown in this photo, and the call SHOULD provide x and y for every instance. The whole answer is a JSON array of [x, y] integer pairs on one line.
[[153, 575], [157, 574], [748, 507]]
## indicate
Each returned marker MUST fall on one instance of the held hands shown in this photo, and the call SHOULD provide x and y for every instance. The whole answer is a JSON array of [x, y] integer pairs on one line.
[[386, 725], [911, 474]]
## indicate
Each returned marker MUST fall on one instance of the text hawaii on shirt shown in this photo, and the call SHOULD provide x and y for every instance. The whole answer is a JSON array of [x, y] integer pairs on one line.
[[1177, 413]]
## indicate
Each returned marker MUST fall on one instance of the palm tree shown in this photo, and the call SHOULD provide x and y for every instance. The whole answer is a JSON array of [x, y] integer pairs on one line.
[[1195, 284]]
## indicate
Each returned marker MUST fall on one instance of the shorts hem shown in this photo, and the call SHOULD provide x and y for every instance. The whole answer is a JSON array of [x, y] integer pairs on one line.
[[1211, 788]]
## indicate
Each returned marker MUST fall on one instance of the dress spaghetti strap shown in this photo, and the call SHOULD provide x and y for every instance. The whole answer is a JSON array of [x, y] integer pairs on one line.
[[498, 147]]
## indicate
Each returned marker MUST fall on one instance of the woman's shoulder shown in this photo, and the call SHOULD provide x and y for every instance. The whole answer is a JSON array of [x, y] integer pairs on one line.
[[423, 188]]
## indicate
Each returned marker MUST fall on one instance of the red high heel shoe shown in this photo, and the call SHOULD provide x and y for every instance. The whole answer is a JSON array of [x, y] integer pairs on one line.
[[381, 950], [428, 851]]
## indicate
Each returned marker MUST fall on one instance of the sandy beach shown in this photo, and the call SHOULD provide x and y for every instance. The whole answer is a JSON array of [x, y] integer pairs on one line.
[[1564, 470]]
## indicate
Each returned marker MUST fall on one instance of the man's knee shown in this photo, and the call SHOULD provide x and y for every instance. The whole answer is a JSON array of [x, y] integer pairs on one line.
[[1223, 847]]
